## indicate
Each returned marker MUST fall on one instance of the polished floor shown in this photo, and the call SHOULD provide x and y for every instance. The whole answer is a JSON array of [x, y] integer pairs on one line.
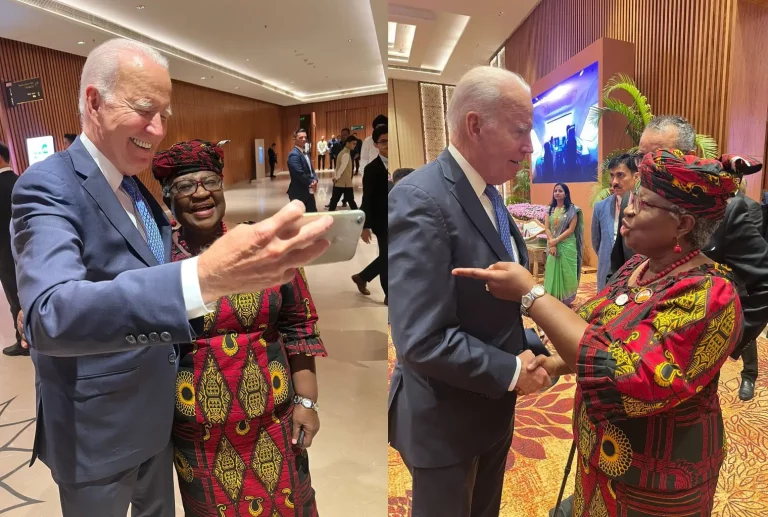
[[349, 457]]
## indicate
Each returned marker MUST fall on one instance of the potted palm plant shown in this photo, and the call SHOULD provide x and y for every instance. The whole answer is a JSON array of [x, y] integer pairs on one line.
[[638, 115]]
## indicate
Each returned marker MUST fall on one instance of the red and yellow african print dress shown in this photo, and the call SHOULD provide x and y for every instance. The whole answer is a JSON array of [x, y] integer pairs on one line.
[[647, 419], [232, 426]]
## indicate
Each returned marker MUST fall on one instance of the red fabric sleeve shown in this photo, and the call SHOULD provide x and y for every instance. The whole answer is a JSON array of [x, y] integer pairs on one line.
[[297, 319]]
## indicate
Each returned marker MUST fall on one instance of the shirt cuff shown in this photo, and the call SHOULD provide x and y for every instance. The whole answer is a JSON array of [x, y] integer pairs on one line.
[[513, 384], [190, 286]]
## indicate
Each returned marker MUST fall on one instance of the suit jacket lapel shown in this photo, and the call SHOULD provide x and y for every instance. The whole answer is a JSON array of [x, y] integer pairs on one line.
[[99, 189], [465, 194]]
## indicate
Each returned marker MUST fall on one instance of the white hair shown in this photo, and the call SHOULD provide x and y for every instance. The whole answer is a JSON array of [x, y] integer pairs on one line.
[[103, 64], [479, 90]]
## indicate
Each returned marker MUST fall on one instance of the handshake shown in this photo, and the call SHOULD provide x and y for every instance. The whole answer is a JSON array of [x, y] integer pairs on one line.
[[536, 372]]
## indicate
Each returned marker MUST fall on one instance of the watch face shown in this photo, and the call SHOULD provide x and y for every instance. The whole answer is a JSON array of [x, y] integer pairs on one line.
[[538, 290], [307, 403]]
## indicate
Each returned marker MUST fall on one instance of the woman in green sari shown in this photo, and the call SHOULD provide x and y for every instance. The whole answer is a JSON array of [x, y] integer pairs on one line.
[[565, 233]]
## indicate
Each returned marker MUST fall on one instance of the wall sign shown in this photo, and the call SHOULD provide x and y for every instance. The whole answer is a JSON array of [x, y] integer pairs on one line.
[[39, 148], [21, 92]]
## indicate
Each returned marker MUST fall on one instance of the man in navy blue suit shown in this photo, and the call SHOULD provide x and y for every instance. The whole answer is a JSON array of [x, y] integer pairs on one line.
[[303, 177], [104, 307], [462, 354]]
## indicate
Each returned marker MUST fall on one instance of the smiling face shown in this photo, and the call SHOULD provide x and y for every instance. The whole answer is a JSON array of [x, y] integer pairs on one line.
[[128, 127], [201, 211]]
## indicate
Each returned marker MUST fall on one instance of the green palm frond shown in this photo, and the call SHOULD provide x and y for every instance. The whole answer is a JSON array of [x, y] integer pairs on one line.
[[626, 83], [707, 145]]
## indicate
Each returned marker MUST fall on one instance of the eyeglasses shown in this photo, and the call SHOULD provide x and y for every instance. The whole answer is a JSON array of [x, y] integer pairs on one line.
[[382, 141], [638, 204], [186, 188]]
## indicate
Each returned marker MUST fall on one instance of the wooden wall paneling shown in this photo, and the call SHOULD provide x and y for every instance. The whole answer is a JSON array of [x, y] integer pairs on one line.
[[407, 113], [748, 100], [683, 49], [394, 142]]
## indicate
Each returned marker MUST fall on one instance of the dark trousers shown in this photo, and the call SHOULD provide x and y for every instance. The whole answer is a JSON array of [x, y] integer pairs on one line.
[[349, 197], [321, 161], [333, 161], [271, 169], [470, 489], [8, 279], [356, 161], [147, 487], [309, 204], [379, 266], [749, 358]]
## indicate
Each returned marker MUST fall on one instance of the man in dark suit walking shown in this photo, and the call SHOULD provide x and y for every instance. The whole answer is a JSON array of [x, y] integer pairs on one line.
[[375, 179], [7, 267], [303, 178], [738, 243], [105, 307], [461, 353], [272, 160]]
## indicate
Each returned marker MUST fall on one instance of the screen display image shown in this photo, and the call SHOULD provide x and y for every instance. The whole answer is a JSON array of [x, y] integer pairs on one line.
[[564, 137], [40, 148]]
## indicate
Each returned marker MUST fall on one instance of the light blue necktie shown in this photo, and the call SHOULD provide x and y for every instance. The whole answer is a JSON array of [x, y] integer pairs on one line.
[[154, 240], [502, 218]]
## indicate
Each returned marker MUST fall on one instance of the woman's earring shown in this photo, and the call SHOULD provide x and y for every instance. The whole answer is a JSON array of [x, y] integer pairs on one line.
[[678, 249]]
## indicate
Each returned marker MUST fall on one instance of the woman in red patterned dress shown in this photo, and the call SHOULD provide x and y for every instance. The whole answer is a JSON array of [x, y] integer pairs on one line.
[[647, 350], [246, 388]]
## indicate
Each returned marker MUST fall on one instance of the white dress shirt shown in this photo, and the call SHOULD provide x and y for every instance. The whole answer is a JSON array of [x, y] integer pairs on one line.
[[322, 147], [478, 185], [190, 283], [3, 169], [368, 153]]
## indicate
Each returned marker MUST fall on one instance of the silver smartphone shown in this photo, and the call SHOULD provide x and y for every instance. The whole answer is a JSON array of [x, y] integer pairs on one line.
[[344, 235]]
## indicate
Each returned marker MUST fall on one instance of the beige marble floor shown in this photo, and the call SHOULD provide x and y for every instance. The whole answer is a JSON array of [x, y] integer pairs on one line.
[[349, 457]]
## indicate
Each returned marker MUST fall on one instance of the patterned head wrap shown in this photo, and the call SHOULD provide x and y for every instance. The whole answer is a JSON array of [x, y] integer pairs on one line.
[[700, 187], [187, 157]]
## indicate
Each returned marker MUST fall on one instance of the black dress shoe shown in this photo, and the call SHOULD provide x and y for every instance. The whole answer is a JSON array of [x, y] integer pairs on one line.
[[15, 349], [747, 390]]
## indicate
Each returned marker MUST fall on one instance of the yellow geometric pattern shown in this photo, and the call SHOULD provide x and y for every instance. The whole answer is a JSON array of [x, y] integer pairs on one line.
[[625, 361], [253, 390], [182, 466], [713, 343], [683, 310], [185, 393], [229, 344], [213, 394], [279, 382], [229, 469], [586, 310], [267, 461], [597, 506], [615, 452], [247, 307], [635, 408], [586, 435]]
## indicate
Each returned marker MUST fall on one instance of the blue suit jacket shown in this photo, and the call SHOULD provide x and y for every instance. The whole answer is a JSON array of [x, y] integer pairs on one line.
[[101, 317], [456, 343], [302, 176], [602, 237]]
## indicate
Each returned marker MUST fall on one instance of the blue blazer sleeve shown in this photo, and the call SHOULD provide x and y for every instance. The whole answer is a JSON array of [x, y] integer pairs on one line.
[[597, 215], [297, 169], [67, 314], [426, 330]]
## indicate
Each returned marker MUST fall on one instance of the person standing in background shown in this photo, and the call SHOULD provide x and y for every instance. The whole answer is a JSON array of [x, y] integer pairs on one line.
[[303, 178], [272, 160], [356, 153], [342, 179], [69, 139], [7, 267], [322, 149], [332, 157], [369, 152]]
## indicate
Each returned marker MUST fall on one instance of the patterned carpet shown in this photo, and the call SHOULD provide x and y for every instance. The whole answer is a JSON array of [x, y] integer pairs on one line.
[[543, 438]]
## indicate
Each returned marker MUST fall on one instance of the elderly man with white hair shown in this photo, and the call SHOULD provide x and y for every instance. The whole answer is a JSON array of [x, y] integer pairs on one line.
[[462, 355], [105, 307]]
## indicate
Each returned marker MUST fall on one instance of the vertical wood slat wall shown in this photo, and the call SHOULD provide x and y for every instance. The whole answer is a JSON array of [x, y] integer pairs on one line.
[[330, 118], [683, 48]]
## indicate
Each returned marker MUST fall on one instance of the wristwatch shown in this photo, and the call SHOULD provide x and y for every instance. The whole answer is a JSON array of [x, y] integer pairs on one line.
[[527, 301], [304, 401]]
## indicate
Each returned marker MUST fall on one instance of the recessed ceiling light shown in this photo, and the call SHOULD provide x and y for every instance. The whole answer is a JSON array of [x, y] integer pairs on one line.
[[139, 7], [247, 59], [501, 12], [203, 78], [81, 42], [237, 87], [350, 41]]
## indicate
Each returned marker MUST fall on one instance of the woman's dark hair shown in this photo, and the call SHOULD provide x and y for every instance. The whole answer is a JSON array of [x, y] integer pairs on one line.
[[567, 201], [401, 173], [626, 159]]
